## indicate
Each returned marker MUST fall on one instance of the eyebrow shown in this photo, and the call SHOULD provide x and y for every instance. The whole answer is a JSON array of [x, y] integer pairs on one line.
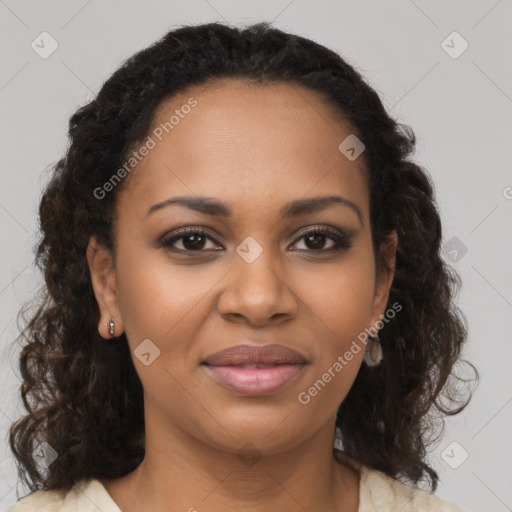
[[211, 206]]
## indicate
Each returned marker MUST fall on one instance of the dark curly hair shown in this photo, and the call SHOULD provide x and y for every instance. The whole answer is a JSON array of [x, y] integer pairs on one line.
[[84, 397]]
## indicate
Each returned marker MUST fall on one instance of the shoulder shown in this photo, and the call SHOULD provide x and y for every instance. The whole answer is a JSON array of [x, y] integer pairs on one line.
[[379, 492], [85, 496]]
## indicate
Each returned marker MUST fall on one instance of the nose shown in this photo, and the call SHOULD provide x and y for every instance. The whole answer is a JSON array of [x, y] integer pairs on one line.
[[258, 292]]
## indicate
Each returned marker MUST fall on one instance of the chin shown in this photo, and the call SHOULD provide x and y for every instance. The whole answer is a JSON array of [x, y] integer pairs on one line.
[[264, 433]]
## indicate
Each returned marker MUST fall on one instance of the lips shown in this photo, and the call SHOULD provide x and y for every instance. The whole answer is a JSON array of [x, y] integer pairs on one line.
[[255, 370], [255, 355]]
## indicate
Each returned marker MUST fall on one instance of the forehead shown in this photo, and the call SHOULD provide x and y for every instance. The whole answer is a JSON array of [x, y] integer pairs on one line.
[[229, 138]]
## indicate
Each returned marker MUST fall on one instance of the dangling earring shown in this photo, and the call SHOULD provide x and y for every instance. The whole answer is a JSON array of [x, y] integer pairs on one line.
[[373, 353], [111, 327]]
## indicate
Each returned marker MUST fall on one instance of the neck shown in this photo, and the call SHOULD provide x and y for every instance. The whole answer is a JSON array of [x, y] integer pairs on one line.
[[181, 473]]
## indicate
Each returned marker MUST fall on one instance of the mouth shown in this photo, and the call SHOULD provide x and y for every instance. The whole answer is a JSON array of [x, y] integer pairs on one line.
[[255, 370]]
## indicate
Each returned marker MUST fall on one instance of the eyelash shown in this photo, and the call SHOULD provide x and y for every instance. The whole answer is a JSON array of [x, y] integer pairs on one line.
[[342, 240]]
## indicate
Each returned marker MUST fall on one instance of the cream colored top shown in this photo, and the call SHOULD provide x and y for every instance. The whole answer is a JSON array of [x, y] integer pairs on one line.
[[377, 493]]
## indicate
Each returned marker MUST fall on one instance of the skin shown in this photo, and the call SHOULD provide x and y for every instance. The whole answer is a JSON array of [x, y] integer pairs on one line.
[[254, 148]]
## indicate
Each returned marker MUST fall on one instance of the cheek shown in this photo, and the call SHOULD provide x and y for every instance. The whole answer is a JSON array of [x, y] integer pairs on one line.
[[153, 295], [342, 295], [339, 306]]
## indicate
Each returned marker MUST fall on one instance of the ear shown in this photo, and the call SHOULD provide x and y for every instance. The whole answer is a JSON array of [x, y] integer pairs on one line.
[[103, 278], [384, 276]]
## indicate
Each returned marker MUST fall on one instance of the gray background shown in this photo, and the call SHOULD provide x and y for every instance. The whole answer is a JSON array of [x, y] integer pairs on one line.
[[458, 107]]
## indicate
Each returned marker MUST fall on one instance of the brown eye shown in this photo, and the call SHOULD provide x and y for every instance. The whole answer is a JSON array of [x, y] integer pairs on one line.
[[195, 240], [315, 240], [192, 240]]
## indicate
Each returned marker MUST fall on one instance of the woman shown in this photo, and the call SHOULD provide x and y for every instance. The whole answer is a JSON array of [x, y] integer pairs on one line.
[[243, 270]]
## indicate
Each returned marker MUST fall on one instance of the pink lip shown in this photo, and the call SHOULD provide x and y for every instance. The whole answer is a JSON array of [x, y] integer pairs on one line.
[[255, 370]]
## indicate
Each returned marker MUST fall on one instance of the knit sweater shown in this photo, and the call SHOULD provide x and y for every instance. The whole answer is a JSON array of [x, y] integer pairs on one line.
[[377, 493]]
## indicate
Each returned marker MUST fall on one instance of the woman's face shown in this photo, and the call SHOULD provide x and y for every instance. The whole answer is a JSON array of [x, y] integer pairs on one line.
[[259, 274]]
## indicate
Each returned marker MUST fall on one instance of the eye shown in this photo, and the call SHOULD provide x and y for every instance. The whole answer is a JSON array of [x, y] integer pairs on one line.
[[194, 239], [317, 236], [191, 239]]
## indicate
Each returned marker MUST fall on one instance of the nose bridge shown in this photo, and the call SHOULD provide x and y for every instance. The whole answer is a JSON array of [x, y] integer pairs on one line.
[[257, 264], [257, 289]]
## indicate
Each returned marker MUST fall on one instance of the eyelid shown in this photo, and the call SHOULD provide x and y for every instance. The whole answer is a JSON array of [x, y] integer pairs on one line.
[[341, 238], [324, 228], [168, 239]]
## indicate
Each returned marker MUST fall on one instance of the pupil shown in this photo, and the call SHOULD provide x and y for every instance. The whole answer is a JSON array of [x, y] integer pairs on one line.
[[195, 244], [197, 241], [316, 236]]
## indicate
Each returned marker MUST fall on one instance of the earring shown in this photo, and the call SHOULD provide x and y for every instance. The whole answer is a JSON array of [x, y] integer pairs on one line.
[[111, 327], [373, 353]]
